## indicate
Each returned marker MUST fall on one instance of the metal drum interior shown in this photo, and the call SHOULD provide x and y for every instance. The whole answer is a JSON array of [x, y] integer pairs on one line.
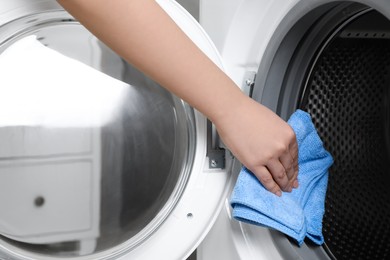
[[141, 160], [336, 62]]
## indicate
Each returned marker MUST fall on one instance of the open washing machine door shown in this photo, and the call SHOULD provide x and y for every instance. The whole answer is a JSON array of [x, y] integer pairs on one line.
[[332, 59], [140, 185]]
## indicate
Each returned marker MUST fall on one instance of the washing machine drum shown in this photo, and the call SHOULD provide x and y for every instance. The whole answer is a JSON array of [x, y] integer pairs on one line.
[[336, 62], [350, 115], [95, 157]]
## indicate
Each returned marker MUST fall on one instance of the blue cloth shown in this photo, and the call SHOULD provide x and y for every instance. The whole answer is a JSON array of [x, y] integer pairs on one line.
[[297, 214]]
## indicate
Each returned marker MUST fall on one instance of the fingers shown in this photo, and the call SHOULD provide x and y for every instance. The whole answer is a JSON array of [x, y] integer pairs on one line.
[[263, 142], [265, 177], [287, 162], [294, 154], [280, 174], [290, 163]]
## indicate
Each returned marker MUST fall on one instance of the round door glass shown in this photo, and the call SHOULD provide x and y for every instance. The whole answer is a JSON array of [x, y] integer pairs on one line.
[[93, 154]]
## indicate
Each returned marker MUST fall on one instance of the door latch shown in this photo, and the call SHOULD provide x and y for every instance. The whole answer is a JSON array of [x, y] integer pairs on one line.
[[249, 83], [215, 153]]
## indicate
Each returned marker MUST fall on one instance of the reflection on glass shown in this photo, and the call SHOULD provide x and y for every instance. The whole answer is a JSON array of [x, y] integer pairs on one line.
[[87, 160], [41, 87]]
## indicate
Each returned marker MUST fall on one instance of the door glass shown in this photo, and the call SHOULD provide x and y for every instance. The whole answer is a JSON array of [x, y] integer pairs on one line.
[[93, 154]]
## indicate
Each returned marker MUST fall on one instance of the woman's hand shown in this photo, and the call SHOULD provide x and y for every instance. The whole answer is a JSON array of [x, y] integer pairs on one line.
[[261, 141]]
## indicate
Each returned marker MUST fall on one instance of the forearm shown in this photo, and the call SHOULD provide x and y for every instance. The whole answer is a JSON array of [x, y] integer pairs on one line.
[[133, 27], [142, 33]]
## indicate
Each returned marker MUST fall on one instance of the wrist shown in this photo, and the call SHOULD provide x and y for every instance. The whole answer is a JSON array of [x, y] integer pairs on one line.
[[230, 105]]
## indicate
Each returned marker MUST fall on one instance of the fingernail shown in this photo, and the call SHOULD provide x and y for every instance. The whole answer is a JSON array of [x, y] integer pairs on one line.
[[278, 193], [295, 184]]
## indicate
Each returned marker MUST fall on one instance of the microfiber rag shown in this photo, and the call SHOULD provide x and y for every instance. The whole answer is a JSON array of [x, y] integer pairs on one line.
[[299, 213]]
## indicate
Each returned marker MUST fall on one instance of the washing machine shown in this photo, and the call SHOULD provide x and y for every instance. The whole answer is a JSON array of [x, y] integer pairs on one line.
[[331, 59], [153, 180]]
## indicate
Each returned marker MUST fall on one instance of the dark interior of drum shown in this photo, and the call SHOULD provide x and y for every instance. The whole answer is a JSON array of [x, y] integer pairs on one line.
[[347, 95], [334, 62]]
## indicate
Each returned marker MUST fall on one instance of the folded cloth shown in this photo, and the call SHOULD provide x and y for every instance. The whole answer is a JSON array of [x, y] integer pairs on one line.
[[299, 213]]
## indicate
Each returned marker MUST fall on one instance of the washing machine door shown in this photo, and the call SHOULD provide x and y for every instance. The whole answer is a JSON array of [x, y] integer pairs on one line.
[[136, 185]]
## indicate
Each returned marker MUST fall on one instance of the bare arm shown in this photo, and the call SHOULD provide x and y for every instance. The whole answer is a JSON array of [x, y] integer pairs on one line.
[[142, 33]]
